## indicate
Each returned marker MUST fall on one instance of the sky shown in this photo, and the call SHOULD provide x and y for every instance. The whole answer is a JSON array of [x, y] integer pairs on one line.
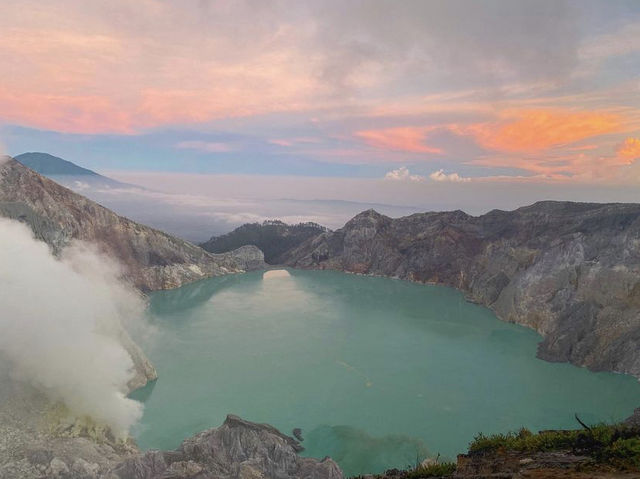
[[416, 103]]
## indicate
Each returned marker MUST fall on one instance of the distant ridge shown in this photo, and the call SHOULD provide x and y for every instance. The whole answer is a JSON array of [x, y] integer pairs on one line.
[[48, 165], [68, 174], [151, 259], [273, 237]]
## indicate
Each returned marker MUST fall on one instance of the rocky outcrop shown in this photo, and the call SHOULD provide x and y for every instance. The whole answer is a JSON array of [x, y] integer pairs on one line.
[[38, 439], [151, 259], [143, 370], [247, 258], [571, 271], [634, 419], [237, 449]]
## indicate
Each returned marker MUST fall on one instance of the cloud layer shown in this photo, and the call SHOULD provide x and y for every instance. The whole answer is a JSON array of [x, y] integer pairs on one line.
[[495, 88]]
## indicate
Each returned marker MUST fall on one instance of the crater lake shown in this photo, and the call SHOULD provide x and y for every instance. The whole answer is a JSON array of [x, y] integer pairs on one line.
[[377, 373]]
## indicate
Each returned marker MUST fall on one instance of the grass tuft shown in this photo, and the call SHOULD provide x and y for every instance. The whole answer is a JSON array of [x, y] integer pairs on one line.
[[617, 445], [432, 470]]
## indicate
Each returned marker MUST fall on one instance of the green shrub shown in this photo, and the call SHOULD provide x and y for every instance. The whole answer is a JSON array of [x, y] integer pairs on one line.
[[433, 470], [524, 440], [623, 453], [617, 445]]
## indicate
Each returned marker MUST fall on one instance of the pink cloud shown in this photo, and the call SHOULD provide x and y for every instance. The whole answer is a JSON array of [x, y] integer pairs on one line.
[[409, 139], [288, 142], [79, 114], [278, 142], [207, 146]]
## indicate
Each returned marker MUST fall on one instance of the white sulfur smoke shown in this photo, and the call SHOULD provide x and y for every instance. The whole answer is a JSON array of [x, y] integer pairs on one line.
[[59, 322]]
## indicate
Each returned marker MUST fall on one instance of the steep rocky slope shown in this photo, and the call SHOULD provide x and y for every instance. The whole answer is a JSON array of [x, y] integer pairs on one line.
[[272, 237], [152, 259], [571, 271], [237, 449], [36, 442]]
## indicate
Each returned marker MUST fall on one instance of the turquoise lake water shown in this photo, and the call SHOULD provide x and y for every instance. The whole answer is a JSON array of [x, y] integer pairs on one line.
[[376, 372]]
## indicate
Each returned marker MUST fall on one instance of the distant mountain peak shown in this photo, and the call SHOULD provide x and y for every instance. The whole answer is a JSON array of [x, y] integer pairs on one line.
[[50, 165]]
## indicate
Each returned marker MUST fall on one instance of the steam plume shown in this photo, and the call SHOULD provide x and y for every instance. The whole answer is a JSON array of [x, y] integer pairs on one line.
[[59, 323]]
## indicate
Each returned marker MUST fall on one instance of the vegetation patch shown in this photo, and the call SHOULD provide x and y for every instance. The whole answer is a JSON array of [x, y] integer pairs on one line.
[[617, 445], [432, 470]]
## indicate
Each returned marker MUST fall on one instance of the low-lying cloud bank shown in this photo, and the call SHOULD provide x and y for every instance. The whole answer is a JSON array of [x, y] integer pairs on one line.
[[60, 323]]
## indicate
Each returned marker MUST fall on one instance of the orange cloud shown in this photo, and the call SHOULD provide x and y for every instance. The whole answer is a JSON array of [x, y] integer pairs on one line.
[[629, 149], [538, 130], [409, 139], [576, 166], [582, 148], [558, 167]]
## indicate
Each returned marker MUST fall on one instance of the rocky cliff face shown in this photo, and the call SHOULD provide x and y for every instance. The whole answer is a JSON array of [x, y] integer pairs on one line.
[[571, 271], [237, 449], [152, 259]]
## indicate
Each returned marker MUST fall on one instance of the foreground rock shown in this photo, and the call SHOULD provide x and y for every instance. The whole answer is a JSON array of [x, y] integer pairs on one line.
[[540, 465], [518, 465], [36, 443], [38, 440], [237, 449], [151, 259], [571, 271]]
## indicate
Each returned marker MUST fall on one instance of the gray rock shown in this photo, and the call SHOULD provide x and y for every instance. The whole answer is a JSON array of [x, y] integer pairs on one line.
[[237, 449], [58, 469], [571, 271], [82, 469], [143, 370], [247, 258], [634, 419], [33, 448]]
